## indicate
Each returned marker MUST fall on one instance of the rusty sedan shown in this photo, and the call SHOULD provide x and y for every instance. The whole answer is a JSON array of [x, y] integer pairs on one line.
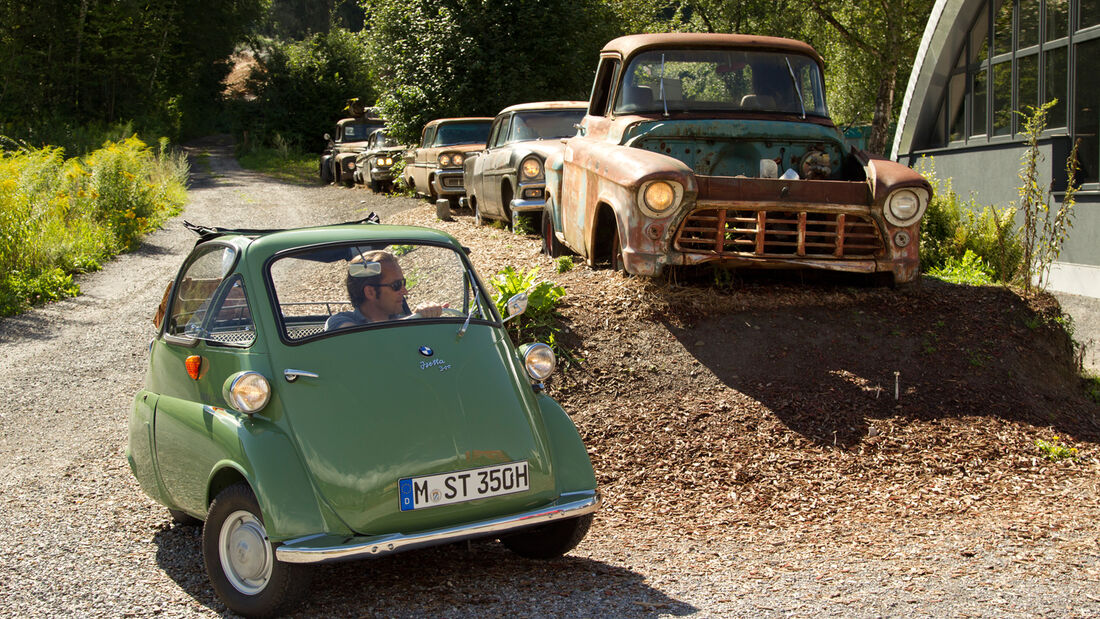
[[434, 169], [506, 180]]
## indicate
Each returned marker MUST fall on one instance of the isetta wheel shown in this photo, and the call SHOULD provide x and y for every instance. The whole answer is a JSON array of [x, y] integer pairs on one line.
[[240, 560], [549, 541]]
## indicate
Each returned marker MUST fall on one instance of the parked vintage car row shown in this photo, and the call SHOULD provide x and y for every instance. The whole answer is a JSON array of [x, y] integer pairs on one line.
[[693, 149]]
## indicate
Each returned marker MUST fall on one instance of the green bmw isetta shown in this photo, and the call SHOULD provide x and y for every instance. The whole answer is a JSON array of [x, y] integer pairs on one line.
[[348, 391]]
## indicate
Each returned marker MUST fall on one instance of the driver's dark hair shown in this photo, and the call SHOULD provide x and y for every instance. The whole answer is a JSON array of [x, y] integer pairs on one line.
[[355, 285]]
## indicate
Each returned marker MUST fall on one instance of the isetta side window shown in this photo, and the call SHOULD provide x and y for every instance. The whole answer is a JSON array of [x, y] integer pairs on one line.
[[208, 304], [346, 288]]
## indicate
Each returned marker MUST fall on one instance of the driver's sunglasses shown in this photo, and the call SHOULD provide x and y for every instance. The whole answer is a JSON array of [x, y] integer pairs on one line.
[[395, 285]]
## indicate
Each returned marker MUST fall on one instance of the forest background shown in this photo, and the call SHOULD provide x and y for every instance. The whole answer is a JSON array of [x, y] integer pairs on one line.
[[70, 75]]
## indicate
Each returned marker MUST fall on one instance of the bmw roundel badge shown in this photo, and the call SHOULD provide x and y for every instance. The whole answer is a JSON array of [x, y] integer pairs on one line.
[[427, 352]]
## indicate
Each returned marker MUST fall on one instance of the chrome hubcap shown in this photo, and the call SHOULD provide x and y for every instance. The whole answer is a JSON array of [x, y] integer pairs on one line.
[[246, 555]]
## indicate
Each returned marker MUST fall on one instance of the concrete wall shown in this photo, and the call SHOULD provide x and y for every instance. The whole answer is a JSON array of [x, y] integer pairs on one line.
[[990, 174]]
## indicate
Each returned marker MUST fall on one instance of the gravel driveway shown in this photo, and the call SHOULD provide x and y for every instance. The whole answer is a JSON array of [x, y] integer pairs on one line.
[[80, 539]]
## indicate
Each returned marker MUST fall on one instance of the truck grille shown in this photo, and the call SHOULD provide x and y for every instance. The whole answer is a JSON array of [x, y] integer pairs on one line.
[[779, 234]]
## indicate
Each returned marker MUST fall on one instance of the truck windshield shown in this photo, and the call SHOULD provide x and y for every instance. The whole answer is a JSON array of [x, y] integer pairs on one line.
[[721, 80], [353, 132]]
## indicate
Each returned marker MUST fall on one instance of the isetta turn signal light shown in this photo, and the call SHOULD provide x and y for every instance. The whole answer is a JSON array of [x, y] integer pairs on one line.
[[193, 365]]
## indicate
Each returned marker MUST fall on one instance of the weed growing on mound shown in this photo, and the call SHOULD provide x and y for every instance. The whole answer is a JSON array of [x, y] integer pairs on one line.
[[970, 270], [540, 321], [1054, 450]]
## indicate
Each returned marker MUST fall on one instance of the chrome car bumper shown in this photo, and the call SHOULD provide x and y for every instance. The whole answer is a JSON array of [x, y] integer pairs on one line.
[[447, 183], [523, 202], [381, 174], [323, 548]]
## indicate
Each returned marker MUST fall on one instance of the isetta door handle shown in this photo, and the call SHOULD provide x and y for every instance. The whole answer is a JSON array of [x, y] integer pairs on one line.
[[292, 375]]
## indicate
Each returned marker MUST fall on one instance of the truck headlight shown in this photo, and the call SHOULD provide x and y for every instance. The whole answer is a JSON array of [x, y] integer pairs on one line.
[[531, 167], [657, 198], [905, 206], [246, 392], [539, 360]]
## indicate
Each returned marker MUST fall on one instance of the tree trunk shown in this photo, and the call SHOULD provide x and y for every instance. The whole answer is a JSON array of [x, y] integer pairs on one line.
[[884, 105]]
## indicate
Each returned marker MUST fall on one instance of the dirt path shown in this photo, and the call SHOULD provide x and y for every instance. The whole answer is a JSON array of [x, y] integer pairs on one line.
[[719, 502]]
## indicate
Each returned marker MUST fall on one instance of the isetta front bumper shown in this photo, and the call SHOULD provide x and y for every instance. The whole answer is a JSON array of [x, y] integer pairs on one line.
[[328, 548]]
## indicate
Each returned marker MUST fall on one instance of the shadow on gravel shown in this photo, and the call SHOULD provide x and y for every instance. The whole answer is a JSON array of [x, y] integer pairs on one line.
[[828, 360], [476, 579], [179, 554]]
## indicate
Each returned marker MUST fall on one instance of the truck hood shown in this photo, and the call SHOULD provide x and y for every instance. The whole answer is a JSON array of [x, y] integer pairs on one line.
[[735, 147]]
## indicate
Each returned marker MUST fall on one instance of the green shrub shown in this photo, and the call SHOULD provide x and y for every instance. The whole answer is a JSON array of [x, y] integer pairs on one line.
[[563, 264], [59, 217], [953, 226], [303, 88], [539, 322], [970, 270]]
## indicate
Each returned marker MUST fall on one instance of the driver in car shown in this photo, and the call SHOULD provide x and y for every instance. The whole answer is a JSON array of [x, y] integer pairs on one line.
[[376, 288]]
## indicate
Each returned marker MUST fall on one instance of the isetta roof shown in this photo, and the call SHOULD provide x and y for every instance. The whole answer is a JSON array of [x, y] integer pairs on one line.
[[632, 44]]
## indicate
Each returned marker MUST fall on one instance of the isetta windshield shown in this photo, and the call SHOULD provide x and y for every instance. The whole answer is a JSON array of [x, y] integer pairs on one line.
[[718, 80], [321, 291]]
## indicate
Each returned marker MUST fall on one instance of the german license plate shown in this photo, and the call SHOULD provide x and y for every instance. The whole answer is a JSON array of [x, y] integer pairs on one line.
[[460, 486]]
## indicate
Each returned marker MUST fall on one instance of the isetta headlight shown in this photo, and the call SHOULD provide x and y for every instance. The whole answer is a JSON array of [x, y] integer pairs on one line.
[[247, 392], [539, 360]]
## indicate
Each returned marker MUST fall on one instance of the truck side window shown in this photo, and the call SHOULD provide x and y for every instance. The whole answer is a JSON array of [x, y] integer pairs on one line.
[[601, 88]]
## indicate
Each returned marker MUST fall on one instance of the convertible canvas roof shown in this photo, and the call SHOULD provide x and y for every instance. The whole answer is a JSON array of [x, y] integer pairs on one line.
[[207, 233]]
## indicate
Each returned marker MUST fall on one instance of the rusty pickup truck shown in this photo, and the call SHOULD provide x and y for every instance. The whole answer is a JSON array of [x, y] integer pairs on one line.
[[718, 148]]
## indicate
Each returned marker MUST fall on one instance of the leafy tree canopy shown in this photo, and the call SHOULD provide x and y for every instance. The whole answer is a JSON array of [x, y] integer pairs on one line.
[[475, 57]]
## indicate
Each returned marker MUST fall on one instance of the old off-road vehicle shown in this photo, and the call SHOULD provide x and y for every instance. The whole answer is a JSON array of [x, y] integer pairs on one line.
[[716, 148], [374, 164], [305, 429], [337, 163]]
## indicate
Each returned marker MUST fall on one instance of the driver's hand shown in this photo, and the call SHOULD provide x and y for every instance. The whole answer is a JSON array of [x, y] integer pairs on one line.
[[430, 310]]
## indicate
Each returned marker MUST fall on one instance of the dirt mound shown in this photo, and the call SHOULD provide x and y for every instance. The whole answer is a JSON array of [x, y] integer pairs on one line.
[[810, 401]]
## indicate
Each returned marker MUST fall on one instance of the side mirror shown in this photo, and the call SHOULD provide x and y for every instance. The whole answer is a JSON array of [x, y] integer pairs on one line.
[[516, 306], [328, 138]]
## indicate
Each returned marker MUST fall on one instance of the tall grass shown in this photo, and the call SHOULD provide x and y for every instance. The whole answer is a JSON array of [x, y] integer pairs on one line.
[[62, 216]]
